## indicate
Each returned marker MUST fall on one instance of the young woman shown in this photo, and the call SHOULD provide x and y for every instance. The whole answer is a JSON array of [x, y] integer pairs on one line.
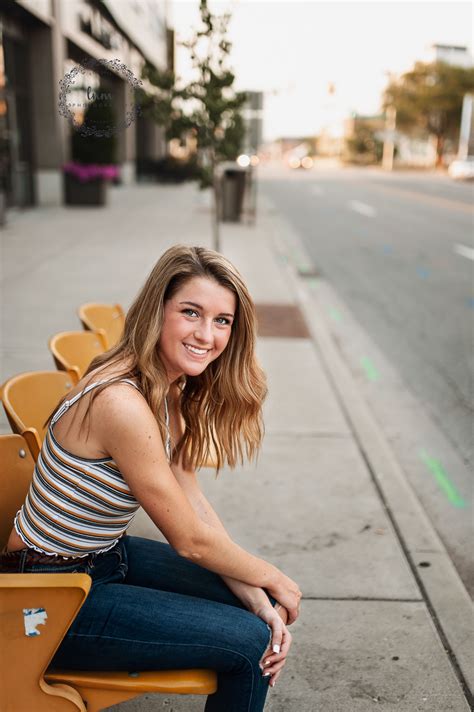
[[182, 384]]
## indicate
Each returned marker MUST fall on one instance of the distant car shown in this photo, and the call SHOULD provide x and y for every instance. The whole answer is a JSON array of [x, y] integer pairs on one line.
[[462, 169], [297, 162]]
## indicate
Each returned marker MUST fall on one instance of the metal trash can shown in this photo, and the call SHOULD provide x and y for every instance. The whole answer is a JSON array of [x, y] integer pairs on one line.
[[233, 182]]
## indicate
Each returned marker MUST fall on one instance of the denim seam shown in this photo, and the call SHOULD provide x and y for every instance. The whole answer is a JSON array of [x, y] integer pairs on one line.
[[22, 562], [195, 645]]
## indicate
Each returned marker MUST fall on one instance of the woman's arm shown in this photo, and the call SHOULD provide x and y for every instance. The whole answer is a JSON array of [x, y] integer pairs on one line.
[[125, 427], [253, 597]]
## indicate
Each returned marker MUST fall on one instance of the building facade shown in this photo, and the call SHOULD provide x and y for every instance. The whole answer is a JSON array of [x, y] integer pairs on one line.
[[40, 42], [458, 56]]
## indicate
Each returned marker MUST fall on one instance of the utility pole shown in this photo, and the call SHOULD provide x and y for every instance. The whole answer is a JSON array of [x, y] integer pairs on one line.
[[389, 138], [466, 133]]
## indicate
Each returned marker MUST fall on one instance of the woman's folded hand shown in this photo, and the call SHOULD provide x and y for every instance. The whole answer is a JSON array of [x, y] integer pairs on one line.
[[274, 658], [287, 593]]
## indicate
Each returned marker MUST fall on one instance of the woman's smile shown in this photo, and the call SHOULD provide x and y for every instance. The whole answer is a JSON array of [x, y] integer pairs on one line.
[[196, 352]]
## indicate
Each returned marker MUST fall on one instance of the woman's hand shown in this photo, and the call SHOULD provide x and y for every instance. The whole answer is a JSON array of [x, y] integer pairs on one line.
[[273, 662], [287, 593]]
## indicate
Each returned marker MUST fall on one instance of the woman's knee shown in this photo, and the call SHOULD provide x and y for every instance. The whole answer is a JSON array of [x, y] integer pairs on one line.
[[253, 638]]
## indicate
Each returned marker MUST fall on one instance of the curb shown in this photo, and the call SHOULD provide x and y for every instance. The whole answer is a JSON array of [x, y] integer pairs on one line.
[[447, 600]]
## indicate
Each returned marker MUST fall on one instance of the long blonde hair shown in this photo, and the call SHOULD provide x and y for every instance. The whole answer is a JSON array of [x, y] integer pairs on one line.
[[222, 406]]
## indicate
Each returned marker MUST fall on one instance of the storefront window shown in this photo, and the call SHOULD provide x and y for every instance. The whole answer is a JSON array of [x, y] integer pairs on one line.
[[5, 169], [15, 116]]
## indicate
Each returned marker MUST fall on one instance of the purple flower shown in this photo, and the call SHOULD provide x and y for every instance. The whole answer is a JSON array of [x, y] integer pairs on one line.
[[91, 171]]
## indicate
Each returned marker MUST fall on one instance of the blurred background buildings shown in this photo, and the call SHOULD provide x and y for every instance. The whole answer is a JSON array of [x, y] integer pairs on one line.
[[359, 138], [40, 41]]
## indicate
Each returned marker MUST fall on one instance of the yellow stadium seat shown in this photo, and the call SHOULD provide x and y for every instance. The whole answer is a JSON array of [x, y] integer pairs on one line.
[[73, 351], [28, 644], [108, 319], [29, 399]]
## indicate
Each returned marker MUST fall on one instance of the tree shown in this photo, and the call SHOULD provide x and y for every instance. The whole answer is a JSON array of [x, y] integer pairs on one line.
[[429, 98], [364, 146], [208, 107]]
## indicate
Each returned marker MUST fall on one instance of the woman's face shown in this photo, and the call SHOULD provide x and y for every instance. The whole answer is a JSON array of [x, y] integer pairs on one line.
[[197, 326]]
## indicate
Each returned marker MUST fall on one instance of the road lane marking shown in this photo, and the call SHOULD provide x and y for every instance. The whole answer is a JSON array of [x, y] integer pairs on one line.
[[422, 272], [437, 201], [362, 208], [336, 315], [446, 485], [369, 368], [464, 251], [302, 265]]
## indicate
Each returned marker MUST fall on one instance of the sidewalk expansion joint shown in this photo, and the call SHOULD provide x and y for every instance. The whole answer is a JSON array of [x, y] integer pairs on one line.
[[307, 434], [375, 599]]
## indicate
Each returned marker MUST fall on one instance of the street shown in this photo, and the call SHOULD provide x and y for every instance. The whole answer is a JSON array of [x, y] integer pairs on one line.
[[398, 250]]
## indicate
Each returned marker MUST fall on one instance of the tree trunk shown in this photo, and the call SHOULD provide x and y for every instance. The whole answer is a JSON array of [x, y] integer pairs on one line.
[[439, 151], [216, 189]]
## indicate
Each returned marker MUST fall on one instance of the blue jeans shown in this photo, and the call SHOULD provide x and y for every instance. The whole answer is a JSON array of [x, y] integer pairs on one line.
[[151, 609]]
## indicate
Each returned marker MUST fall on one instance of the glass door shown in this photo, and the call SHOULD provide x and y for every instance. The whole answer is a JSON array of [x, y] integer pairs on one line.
[[16, 174], [5, 160]]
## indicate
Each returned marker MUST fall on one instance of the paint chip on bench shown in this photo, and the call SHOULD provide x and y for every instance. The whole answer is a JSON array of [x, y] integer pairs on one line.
[[32, 618]]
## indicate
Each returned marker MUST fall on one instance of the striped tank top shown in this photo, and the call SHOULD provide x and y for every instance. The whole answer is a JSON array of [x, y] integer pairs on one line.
[[76, 506]]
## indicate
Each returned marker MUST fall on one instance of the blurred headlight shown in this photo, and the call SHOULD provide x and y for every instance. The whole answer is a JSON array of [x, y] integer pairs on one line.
[[243, 160], [462, 169]]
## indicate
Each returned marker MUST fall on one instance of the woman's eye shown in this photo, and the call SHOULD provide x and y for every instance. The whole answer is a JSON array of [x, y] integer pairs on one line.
[[223, 321]]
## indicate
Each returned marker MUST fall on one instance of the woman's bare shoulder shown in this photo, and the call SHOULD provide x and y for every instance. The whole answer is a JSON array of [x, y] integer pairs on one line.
[[121, 416], [120, 394], [117, 393]]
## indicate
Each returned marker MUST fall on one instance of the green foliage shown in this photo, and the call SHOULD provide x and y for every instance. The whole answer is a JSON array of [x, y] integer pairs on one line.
[[364, 146], [428, 99], [96, 149], [208, 106], [169, 169]]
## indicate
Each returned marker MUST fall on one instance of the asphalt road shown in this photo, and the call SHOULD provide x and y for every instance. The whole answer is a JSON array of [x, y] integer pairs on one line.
[[399, 250]]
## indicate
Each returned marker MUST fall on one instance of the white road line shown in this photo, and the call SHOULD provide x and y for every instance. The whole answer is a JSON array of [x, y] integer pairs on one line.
[[317, 190], [464, 251], [362, 208]]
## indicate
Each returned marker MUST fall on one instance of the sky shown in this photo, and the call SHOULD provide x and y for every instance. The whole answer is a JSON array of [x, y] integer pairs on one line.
[[293, 51]]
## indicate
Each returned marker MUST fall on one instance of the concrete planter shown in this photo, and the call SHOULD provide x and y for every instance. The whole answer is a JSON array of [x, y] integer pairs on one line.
[[92, 192]]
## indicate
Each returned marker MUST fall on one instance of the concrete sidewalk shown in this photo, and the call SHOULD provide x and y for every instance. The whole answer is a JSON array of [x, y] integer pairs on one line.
[[326, 502]]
